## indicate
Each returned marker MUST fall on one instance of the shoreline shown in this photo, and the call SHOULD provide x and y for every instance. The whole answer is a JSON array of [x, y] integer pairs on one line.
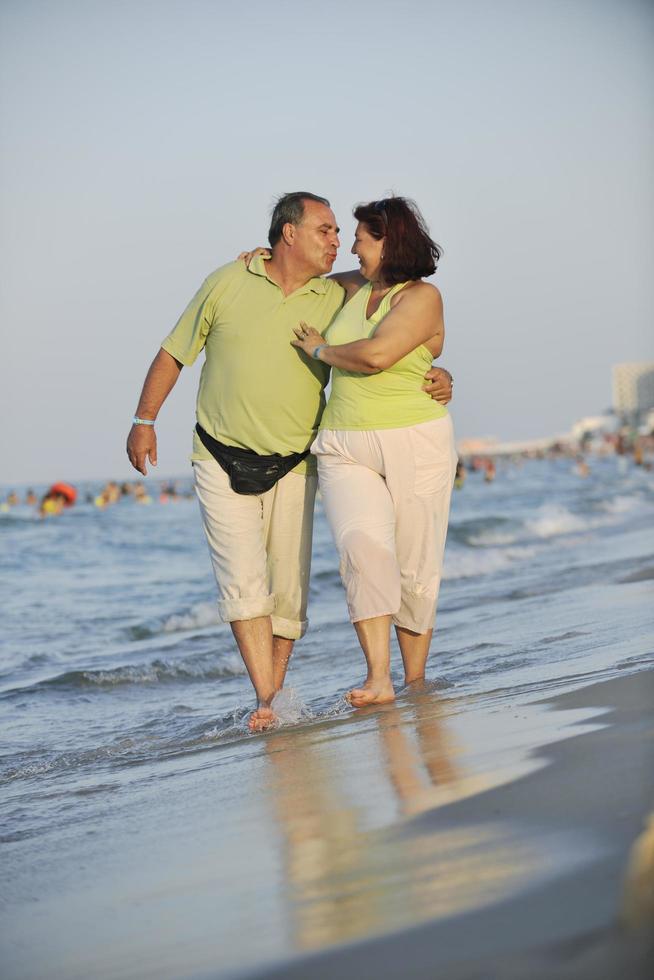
[[434, 837], [597, 921]]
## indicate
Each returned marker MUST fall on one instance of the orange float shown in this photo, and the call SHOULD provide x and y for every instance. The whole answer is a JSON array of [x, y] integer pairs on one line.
[[64, 490]]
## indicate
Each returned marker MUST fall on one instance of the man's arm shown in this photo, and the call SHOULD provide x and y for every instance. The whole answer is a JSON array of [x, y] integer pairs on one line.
[[159, 382]]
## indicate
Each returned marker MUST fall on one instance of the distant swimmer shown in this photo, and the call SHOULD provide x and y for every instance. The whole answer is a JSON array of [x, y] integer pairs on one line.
[[167, 493], [258, 409], [31, 499], [59, 497], [581, 467], [489, 471], [110, 494], [141, 495], [460, 475]]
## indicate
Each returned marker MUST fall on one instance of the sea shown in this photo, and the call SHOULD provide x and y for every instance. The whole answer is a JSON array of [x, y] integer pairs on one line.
[[117, 678]]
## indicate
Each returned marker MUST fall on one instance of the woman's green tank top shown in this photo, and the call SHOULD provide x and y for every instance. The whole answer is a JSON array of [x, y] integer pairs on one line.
[[391, 399]]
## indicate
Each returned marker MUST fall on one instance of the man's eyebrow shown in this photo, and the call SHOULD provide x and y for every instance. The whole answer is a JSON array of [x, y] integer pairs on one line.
[[326, 224]]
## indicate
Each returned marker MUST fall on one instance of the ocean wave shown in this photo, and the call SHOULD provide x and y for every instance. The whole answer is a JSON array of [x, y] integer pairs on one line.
[[553, 520], [548, 521], [139, 747], [460, 564], [202, 615], [621, 504], [483, 532], [171, 740], [206, 667], [199, 616]]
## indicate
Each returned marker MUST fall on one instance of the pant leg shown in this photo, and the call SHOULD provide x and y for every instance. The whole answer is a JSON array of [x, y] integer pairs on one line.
[[288, 529], [360, 512], [234, 527], [420, 466]]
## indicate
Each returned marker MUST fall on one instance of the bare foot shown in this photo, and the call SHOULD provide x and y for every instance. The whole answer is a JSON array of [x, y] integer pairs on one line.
[[372, 692], [261, 719]]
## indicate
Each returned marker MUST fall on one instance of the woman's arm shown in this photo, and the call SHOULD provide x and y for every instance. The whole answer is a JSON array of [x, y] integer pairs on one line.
[[416, 317], [351, 281]]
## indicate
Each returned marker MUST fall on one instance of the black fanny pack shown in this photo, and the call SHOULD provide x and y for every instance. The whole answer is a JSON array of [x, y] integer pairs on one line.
[[247, 471]]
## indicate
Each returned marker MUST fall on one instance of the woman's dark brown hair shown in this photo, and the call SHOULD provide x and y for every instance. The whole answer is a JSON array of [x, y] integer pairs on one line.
[[409, 252]]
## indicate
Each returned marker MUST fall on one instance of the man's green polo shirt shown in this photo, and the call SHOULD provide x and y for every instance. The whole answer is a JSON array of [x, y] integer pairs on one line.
[[256, 391]]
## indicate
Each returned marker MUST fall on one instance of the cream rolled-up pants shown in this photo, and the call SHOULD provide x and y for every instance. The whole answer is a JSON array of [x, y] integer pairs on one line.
[[386, 494], [260, 546]]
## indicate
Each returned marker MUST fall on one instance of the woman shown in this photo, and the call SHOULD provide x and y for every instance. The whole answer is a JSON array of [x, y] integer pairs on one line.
[[385, 450]]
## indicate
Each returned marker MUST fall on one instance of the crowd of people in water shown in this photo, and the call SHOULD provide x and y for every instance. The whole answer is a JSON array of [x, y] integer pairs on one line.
[[637, 449], [61, 496]]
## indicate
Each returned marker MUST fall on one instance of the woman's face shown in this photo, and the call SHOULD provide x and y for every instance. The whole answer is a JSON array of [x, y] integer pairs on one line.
[[369, 252]]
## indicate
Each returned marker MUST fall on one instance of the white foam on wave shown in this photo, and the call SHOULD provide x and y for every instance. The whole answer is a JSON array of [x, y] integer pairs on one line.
[[553, 519], [161, 670], [459, 564], [199, 616], [486, 538], [621, 504]]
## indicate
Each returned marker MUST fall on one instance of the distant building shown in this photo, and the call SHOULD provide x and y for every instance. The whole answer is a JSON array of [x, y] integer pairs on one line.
[[633, 389]]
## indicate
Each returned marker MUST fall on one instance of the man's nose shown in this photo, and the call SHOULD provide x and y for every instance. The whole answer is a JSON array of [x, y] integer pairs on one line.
[[336, 242]]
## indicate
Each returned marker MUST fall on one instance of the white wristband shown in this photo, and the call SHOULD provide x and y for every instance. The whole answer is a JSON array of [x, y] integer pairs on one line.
[[137, 421]]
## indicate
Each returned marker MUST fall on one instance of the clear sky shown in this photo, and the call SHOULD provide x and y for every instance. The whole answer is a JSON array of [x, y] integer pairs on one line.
[[143, 143]]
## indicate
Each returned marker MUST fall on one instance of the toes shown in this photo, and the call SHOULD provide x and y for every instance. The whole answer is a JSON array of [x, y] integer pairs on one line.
[[261, 719], [360, 696]]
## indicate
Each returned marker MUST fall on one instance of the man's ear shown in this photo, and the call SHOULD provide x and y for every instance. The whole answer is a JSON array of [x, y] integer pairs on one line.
[[288, 233]]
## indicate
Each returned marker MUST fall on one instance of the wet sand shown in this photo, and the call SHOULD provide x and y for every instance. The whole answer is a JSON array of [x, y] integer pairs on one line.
[[591, 919], [463, 837]]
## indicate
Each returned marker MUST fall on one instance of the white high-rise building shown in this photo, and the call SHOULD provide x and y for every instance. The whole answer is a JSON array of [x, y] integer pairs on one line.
[[633, 388]]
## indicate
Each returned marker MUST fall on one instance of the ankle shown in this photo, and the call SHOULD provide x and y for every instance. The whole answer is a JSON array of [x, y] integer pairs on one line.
[[379, 677], [412, 677]]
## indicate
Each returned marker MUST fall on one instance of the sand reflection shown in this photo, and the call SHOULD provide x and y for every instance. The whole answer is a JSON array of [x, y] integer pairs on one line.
[[356, 861]]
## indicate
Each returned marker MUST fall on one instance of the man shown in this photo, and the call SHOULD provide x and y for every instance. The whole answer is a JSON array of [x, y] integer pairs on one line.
[[258, 393]]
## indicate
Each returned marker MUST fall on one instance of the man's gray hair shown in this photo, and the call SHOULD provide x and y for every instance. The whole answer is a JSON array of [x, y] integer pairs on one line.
[[290, 209]]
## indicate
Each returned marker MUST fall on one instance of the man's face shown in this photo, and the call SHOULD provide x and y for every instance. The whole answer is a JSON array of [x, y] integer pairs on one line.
[[315, 239]]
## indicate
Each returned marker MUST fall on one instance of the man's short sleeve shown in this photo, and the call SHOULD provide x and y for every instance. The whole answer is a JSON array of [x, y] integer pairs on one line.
[[188, 336]]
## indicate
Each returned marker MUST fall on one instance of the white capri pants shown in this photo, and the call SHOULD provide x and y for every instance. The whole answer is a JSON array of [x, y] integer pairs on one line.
[[260, 546], [386, 493]]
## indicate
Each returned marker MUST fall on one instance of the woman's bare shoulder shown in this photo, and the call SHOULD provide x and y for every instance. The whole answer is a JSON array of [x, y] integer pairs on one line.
[[419, 293]]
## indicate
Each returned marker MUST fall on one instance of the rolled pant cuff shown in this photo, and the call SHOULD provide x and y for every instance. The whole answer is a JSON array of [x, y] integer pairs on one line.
[[232, 609], [289, 629], [373, 614], [413, 626]]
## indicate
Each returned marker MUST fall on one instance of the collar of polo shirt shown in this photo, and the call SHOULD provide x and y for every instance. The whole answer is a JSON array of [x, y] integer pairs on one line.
[[315, 285]]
